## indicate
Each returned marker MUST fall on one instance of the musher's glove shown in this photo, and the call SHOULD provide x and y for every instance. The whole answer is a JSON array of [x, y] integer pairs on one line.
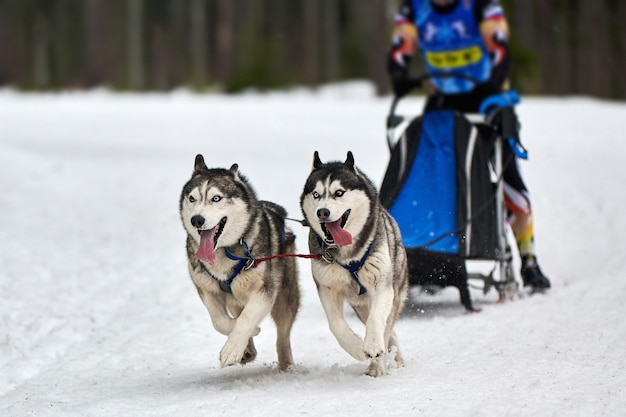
[[400, 81]]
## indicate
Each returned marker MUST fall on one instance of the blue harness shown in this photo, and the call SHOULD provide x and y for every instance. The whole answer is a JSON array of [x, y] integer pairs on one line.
[[353, 267], [245, 262]]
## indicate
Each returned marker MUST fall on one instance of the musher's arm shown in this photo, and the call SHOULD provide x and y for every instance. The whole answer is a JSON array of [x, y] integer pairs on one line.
[[403, 47], [495, 33]]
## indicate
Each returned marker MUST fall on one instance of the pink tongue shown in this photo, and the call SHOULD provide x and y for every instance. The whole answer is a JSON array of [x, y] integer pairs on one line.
[[206, 251], [340, 236]]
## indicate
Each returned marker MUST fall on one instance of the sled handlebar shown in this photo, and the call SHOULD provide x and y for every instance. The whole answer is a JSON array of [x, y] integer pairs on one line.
[[394, 120], [489, 107]]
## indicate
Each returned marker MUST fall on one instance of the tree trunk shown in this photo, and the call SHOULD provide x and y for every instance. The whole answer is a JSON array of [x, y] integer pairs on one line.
[[547, 62], [331, 41], [275, 29], [525, 28], [135, 48], [620, 50], [225, 40], [94, 44], [378, 43], [41, 51], [198, 42], [311, 53]]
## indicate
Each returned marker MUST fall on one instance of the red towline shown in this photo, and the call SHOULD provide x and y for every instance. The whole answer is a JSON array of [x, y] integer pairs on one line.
[[284, 255]]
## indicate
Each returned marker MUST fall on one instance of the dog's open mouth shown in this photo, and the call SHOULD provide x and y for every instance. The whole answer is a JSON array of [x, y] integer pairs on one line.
[[335, 233], [208, 241]]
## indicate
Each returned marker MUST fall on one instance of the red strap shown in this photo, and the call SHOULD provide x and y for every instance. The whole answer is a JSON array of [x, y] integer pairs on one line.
[[285, 255]]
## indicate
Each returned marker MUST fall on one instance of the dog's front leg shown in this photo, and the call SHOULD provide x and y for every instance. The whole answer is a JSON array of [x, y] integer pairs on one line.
[[376, 324], [246, 326], [216, 306], [332, 302]]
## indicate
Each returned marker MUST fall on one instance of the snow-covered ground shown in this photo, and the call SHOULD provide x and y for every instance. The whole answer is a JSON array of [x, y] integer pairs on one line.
[[98, 316]]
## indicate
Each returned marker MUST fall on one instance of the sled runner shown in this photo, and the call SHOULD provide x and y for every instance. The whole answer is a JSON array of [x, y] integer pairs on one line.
[[443, 186]]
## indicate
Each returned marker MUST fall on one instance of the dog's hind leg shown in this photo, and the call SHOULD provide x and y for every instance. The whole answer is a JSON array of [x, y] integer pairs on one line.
[[393, 343], [284, 319], [284, 314], [362, 311], [390, 334]]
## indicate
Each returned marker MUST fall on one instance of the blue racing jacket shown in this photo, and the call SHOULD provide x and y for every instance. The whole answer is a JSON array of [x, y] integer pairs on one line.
[[452, 43]]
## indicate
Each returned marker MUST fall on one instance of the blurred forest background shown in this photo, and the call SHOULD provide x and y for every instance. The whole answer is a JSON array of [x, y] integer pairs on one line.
[[559, 47]]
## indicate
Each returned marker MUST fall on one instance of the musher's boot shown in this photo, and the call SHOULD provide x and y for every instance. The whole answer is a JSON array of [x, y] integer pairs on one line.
[[532, 275]]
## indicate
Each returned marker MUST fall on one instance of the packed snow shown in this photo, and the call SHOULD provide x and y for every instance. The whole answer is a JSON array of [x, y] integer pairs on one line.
[[99, 316]]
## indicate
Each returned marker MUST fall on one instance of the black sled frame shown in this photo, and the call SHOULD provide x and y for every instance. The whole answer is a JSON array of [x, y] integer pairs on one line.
[[429, 268]]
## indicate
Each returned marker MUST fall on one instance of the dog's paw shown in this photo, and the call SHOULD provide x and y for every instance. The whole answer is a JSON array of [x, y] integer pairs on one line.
[[376, 369], [356, 351], [373, 348], [249, 354], [289, 368], [352, 344], [357, 354], [396, 355], [400, 362], [231, 355]]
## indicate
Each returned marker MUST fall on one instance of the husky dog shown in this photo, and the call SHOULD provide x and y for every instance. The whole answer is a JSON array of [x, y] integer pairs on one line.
[[361, 259], [226, 225]]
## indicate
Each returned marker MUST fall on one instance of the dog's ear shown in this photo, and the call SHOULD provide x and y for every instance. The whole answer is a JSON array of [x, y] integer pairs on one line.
[[317, 162], [349, 161], [234, 168], [199, 164]]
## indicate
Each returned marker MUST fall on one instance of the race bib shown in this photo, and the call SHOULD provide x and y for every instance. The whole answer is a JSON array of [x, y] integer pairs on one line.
[[449, 60]]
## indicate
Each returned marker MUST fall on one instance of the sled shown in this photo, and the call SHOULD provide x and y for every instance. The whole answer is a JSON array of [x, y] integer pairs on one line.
[[443, 186]]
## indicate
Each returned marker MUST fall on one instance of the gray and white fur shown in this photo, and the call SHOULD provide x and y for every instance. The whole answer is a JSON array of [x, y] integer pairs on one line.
[[227, 228], [349, 226]]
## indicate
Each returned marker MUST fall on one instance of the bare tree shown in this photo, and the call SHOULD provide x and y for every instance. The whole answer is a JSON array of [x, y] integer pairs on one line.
[[558, 46], [311, 29], [41, 50], [620, 49], [378, 42], [225, 40], [135, 44], [331, 40], [198, 41], [94, 42]]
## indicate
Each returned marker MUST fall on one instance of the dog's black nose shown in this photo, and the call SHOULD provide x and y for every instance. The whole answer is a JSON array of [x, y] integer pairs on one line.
[[197, 221], [323, 214]]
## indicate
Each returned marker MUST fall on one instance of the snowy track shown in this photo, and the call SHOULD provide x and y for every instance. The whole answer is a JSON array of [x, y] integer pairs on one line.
[[98, 316]]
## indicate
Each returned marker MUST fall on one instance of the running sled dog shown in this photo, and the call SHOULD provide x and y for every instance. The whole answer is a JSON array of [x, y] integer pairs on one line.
[[228, 231], [361, 259]]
